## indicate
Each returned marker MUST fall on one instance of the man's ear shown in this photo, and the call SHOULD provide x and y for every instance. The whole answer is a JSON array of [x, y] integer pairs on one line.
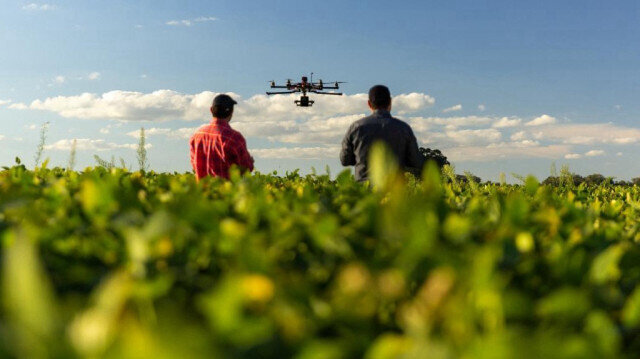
[[370, 105], [211, 109]]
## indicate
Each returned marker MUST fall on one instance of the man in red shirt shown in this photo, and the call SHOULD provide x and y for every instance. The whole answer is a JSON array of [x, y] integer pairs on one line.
[[216, 147]]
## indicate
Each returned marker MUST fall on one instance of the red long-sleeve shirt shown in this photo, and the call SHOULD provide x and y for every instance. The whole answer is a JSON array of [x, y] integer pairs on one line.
[[216, 147]]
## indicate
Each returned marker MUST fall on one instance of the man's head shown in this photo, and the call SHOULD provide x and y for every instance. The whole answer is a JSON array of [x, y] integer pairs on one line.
[[380, 98], [222, 107]]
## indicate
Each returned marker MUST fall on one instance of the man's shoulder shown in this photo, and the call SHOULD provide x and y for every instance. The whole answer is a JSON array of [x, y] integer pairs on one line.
[[224, 131], [374, 119], [363, 121], [233, 133], [401, 123]]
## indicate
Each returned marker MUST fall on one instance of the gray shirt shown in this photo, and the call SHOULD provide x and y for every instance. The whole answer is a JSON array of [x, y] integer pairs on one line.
[[380, 126]]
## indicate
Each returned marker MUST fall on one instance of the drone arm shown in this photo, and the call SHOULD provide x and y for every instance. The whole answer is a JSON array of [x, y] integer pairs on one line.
[[328, 93], [280, 93], [279, 87]]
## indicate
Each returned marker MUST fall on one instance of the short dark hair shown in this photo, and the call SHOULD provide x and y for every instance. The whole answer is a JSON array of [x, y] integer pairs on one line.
[[379, 96], [221, 111]]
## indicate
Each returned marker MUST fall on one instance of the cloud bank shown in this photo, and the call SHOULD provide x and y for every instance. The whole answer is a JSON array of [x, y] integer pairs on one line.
[[314, 133]]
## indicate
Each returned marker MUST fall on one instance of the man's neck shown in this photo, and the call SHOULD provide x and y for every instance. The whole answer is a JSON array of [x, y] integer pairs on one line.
[[220, 120]]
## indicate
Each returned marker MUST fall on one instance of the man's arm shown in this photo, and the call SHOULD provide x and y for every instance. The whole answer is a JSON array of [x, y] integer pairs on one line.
[[347, 156], [197, 162], [414, 158], [241, 155]]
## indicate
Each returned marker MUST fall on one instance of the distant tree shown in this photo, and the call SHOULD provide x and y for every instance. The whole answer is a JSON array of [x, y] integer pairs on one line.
[[42, 143], [72, 156], [468, 177], [551, 181], [595, 179], [636, 181], [142, 151], [564, 178], [577, 179]]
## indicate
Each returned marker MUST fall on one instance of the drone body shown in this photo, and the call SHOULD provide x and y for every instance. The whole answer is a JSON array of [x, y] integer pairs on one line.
[[305, 86]]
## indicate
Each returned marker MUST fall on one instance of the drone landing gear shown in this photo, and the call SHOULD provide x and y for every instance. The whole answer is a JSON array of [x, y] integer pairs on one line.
[[304, 102]]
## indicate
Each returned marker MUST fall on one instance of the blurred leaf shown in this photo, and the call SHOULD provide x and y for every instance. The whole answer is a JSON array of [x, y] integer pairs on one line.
[[605, 266], [27, 297]]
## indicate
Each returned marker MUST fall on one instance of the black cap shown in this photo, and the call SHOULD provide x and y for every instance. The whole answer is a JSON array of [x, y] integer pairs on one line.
[[223, 101], [380, 96]]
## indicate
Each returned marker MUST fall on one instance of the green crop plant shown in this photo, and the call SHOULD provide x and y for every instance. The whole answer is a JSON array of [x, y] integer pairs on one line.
[[115, 264]]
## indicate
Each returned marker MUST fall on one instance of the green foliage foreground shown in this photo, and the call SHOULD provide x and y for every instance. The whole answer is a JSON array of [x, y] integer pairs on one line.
[[115, 264]]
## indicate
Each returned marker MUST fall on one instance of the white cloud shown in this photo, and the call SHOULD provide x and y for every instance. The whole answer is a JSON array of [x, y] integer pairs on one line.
[[179, 22], [506, 122], [166, 105], [594, 153], [450, 122], [474, 136], [585, 134], [542, 120], [105, 131], [5, 102], [514, 144], [619, 154], [162, 105], [86, 144], [94, 76], [1, 137], [59, 79], [181, 133], [138, 26], [297, 152], [143, 76], [482, 107], [457, 107], [38, 7], [504, 151], [205, 19], [412, 102], [190, 22], [18, 106], [572, 156], [519, 136]]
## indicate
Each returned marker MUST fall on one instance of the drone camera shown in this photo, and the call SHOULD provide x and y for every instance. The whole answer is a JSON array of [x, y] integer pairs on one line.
[[304, 102]]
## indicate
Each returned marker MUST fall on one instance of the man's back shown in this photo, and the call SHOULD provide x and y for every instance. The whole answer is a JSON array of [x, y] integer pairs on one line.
[[216, 147], [380, 126]]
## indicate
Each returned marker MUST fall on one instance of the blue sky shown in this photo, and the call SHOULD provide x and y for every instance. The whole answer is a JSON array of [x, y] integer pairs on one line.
[[499, 86]]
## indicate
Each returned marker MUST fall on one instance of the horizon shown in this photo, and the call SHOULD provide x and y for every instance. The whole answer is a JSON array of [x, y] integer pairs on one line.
[[498, 88]]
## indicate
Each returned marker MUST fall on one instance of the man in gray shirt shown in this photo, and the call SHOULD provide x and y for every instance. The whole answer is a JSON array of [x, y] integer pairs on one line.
[[380, 126]]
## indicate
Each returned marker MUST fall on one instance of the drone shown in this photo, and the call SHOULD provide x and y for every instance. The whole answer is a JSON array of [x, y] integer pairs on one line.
[[306, 86]]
